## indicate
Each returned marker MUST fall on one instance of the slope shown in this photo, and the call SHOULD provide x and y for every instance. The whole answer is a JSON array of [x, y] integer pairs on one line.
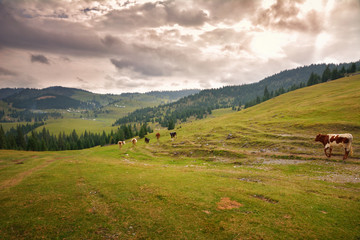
[[204, 102], [253, 174], [285, 125]]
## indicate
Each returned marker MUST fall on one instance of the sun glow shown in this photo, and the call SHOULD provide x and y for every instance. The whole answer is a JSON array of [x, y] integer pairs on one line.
[[269, 44]]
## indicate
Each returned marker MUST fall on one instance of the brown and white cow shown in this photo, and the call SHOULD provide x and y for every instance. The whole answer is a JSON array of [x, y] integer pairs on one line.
[[121, 143], [134, 141], [331, 140]]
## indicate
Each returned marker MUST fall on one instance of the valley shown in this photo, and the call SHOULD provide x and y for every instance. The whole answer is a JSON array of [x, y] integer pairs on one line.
[[250, 174]]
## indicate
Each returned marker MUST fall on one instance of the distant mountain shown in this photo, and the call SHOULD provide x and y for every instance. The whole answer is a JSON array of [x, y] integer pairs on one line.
[[61, 97], [202, 103]]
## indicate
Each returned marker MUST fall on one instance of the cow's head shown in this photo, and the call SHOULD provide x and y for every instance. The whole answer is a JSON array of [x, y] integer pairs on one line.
[[318, 138]]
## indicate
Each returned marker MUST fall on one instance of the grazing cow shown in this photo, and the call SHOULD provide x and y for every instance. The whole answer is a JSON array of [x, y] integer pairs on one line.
[[331, 140], [158, 136], [147, 140], [121, 143], [134, 141], [173, 134]]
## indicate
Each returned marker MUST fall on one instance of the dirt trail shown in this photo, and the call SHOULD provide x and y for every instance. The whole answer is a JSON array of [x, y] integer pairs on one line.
[[19, 177]]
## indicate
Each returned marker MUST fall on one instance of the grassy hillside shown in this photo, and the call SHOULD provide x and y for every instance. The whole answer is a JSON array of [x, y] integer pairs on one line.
[[253, 174], [201, 104]]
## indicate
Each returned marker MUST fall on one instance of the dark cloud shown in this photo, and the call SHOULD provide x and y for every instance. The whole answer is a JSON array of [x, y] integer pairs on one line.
[[144, 68], [6, 72], [110, 41], [86, 10], [284, 15], [39, 59], [48, 35]]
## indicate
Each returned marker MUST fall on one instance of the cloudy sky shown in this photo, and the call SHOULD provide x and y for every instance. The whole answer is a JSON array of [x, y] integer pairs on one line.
[[115, 46]]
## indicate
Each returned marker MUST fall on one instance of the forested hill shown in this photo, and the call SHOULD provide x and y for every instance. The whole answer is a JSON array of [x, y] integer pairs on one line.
[[6, 92], [47, 98], [202, 103]]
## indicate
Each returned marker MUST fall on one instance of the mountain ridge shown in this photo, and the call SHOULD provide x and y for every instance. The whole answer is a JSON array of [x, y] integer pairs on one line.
[[202, 103]]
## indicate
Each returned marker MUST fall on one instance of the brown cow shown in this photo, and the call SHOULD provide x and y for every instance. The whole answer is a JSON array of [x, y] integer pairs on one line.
[[331, 140], [147, 140], [134, 141], [121, 143], [158, 136]]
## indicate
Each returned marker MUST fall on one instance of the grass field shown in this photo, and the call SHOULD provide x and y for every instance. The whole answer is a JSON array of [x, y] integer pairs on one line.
[[253, 174]]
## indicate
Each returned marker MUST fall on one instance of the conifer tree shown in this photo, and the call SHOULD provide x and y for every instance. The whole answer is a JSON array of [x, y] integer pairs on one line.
[[313, 79], [266, 94], [20, 138], [142, 131], [326, 74], [171, 125], [334, 74], [32, 142], [342, 71], [353, 68], [2, 138]]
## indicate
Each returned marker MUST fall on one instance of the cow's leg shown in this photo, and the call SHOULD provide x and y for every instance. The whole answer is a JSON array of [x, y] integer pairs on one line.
[[325, 149], [346, 154], [330, 152]]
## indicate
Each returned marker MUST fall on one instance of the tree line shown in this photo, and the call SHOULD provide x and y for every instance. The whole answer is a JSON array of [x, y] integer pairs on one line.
[[23, 137], [329, 74], [14, 115], [314, 78]]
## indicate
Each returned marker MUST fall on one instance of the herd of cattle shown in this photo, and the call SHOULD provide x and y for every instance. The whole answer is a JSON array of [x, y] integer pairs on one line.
[[147, 140], [328, 140]]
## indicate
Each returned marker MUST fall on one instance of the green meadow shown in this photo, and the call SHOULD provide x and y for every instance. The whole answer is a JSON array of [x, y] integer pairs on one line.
[[252, 174]]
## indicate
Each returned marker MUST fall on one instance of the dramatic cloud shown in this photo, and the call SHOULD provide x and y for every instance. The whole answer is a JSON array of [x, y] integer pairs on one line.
[[126, 46], [40, 59], [285, 15]]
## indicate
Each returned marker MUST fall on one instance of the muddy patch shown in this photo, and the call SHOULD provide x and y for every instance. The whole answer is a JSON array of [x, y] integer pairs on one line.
[[225, 203]]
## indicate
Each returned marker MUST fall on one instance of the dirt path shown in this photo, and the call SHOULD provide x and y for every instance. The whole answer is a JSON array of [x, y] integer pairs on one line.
[[19, 177]]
